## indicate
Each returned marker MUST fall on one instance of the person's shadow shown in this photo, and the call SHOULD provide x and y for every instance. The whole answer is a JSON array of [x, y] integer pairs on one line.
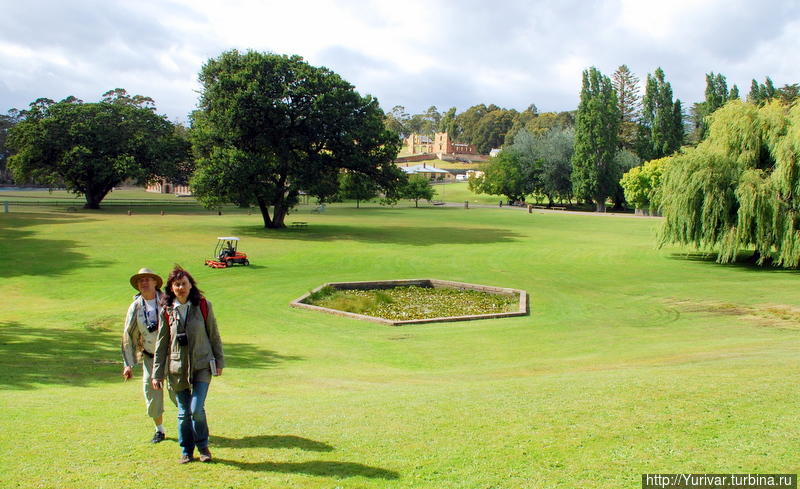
[[272, 441], [320, 468]]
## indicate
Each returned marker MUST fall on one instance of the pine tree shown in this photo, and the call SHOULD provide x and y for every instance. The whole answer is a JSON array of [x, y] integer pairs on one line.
[[755, 96], [716, 96], [761, 93], [595, 174], [626, 84]]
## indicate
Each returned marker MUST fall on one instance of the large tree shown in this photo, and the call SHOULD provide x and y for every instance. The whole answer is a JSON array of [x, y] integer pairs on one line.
[[738, 189], [626, 85], [272, 125], [466, 123], [661, 126], [506, 174], [6, 123], [547, 159], [492, 129], [595, 174], [447, 123], [521, 120], [397, 121], [546, 121], [92, 147]]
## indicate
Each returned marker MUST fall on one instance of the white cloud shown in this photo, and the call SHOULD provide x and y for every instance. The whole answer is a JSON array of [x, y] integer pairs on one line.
[[415, 53]]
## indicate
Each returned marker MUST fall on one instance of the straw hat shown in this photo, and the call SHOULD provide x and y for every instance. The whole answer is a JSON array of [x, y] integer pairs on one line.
[[146, 272]]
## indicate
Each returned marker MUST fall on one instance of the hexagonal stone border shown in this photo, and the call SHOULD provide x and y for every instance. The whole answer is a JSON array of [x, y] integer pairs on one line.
[[425, 282]]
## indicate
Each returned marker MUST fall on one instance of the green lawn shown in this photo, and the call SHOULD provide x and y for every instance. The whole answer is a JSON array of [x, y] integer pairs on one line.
[[633, 360]]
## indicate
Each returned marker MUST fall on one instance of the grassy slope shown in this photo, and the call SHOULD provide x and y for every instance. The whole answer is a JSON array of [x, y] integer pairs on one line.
[[633, 360]]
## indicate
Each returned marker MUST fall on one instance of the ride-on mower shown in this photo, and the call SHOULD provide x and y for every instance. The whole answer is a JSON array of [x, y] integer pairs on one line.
[[226, 253]]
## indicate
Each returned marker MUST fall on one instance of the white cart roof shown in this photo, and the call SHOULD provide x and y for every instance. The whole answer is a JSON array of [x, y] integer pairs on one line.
[[228, 238]]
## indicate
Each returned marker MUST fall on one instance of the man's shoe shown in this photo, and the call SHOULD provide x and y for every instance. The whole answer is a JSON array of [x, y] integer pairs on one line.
[[205, 454], [185, 459], [158, 437]]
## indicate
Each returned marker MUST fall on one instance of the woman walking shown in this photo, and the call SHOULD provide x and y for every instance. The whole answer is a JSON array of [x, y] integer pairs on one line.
[[189, 350]]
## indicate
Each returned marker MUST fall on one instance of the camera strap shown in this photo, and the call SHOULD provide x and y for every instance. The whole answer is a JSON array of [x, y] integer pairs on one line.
[[181, 328], [150, 316]]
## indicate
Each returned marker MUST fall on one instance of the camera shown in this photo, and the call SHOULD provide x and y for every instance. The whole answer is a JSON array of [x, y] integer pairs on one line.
[[183, 338]]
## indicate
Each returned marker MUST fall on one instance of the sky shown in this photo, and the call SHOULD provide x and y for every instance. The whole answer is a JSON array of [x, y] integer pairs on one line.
[[411, 53]]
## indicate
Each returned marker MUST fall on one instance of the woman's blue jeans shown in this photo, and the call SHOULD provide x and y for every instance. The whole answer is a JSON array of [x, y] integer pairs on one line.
[[192, 425]]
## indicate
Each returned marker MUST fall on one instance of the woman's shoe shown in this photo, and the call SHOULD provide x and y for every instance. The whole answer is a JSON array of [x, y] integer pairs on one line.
[[205, 454]]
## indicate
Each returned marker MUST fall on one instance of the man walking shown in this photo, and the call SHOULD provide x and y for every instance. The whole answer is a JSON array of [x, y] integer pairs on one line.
[[139, 342]]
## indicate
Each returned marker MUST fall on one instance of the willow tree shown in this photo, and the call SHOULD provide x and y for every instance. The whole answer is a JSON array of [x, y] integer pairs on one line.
[[739, 189]]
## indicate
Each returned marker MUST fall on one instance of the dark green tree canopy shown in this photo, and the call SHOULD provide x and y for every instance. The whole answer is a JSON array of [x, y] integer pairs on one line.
[[92, 147], [6, 123], [272, 125], [595, 174], [661, 131]]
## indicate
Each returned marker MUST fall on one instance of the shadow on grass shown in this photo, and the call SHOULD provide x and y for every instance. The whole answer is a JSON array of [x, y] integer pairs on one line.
[[317, 468], [30, 357], [33, 357], [403, 235], [25, 254], [245, 355], [744, 261], [272, 441]]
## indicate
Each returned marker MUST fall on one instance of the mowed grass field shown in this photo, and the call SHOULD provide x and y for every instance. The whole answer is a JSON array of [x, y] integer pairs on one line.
[[633, 360]]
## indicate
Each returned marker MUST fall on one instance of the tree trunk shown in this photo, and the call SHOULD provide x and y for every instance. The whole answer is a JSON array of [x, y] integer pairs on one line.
[[94, 197], [278, 216], [265, 213], [601, 206]]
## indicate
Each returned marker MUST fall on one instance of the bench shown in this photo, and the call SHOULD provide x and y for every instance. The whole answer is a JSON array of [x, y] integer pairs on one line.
[[299, 224], [555, 207]]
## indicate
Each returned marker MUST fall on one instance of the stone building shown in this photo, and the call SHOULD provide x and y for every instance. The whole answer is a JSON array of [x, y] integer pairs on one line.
[[441, 145]]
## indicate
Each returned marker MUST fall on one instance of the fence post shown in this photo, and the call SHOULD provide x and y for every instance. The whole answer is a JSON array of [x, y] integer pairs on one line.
[[5, 206]]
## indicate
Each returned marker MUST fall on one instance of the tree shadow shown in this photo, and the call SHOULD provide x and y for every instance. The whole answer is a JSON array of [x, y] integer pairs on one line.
[[744, 262], [403, 235], [272, 441], [32, 357], [245, 355], [22, 252], [319, 468]]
